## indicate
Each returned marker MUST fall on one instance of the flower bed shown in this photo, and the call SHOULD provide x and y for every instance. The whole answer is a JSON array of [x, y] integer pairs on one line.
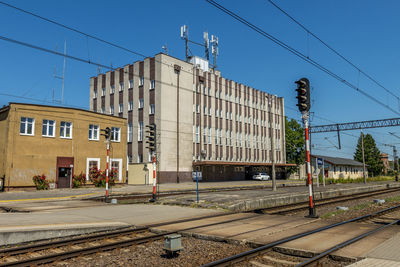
[[40, 182]]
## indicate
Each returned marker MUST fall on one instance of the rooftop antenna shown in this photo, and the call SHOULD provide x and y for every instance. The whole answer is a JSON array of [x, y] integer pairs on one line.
[[206, 45], [214, 50], [63, 74], [165, 48], [185, 36]]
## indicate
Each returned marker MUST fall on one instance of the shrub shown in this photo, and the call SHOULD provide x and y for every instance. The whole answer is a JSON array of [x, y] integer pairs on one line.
[[40, 182], [98, 177], [78, 180]]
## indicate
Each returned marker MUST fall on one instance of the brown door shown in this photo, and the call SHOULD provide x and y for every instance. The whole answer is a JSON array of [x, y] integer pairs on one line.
[[65, 170]]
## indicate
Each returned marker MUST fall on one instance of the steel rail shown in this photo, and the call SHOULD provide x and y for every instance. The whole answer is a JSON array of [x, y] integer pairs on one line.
[[345, 243], [99, 248], [260, 250], [327, 201]]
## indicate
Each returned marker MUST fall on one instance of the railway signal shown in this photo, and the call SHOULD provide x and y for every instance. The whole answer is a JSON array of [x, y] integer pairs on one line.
[[151, 140], [303, 97], [107, 134], [303, 94]]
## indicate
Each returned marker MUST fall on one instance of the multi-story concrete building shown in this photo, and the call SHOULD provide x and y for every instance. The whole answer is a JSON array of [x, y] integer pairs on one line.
[[204, 121], [57, 142]]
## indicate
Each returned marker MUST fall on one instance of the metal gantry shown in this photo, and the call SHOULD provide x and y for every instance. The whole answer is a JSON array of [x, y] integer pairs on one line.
[[355, 125]]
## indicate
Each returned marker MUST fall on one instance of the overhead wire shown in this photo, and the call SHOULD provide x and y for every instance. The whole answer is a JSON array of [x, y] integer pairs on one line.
[[298, 53], [333, 50]]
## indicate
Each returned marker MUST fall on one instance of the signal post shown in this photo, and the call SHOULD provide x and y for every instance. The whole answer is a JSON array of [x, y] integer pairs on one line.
[[151, 140], [303, 97], [107, 134]]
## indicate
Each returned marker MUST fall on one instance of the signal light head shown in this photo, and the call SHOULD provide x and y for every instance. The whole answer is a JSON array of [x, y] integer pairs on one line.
[[303, 94]]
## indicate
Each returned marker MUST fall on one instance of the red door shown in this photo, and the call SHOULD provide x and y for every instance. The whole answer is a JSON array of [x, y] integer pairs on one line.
[[65, 170]]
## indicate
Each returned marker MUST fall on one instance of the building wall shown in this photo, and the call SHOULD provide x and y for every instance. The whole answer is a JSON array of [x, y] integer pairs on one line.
[[3, 140], [33, 155], [207, 102], [334, 171]]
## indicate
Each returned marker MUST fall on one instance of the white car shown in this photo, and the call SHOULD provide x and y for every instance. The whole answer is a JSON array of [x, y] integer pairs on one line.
[[262, 176]]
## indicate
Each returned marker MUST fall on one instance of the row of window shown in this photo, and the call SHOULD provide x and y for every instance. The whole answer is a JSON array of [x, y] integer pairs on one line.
[[27, 127], [121, 87], [229, 97], [152, 107]]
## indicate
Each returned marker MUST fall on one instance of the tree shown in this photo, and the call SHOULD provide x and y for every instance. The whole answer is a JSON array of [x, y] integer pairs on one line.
[[295, 144], [372, 154]]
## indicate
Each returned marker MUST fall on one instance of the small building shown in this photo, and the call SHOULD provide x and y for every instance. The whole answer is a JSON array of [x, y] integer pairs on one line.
[[335, 167], [57, 142], [385, 161]]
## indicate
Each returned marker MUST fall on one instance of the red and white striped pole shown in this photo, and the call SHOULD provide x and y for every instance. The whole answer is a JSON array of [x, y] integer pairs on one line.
[[154, 178], [308, 167], [107, 167]]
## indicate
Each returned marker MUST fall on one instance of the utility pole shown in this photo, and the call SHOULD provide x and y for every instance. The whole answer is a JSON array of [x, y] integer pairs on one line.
[[271, 129], [362, 148], [107, 134]]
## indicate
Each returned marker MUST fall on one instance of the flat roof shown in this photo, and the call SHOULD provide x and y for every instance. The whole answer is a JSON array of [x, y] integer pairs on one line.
[[207, 162]]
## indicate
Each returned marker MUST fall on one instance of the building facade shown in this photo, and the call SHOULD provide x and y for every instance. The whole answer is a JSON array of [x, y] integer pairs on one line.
[[57, 142], [204, 121]]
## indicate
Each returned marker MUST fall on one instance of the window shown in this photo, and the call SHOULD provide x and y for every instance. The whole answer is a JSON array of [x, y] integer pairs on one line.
[[139, 158], [66, 129], [116, 165], [27, 126], [121, 86], [130, 83], [130, 132], [92, 163], [141, 81], [152, 84], [220, 137], [95, 93], [198, 108], [112, 89], [121, 108], [209, 111], [227, 137], [152, 109], [112, 110], [216, 113], [103, 110], [216, 136], [209, 91], [209, 135], [130, 106], [140, 131], [115, 134], [141, 103], [204, 135], [197, 134], [48, 128], [93, 132], [205, 110], [103, 91]]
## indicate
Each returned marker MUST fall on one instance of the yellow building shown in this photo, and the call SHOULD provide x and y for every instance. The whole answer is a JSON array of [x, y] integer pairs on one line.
[[57, 142]]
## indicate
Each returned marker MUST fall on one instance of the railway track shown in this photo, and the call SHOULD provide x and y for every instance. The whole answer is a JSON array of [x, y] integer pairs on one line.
[[281, 210], [245, 256]]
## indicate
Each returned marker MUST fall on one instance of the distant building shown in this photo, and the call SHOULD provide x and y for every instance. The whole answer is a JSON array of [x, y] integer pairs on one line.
[[57, 142], [334, 167], [204, 121], [385, 161]]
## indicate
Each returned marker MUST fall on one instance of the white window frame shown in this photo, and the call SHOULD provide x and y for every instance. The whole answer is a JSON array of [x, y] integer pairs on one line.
[[141, 81], [121, 108], [130, 132], [209, 135], [112, 109], [204, 135], [65, 128], [121, 86], [115, 130], [96, 130], [140, 131], [48, 127], [152, 109], [112, 89], [152, 84], [103, 110], [130, 105], [87, 165], [141, 103], [197, 134], [95, 93], [26, 126], [131, 83], [120, 167], [103, 91]]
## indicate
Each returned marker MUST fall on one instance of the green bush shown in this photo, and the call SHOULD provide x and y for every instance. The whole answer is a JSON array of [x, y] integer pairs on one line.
[[40, 182], [78, 180], [98, 177]]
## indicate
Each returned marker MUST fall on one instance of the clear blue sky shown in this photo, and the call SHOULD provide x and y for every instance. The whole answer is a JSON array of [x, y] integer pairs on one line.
[[364, 31]]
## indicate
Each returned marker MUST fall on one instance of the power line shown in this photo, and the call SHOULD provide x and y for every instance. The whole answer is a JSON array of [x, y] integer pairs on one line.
[[298, 54], [333, 50]]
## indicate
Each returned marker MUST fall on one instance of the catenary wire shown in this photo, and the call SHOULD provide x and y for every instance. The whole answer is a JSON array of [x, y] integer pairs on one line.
[[332, 49], [298, 54]]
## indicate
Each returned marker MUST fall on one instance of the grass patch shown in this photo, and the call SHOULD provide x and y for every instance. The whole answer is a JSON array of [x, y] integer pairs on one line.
[[392, 199], [331, 214], [356, 180]]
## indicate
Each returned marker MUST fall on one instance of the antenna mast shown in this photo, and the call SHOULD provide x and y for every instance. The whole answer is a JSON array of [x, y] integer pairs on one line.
[[206, 45], [185, 36], [214, 50]]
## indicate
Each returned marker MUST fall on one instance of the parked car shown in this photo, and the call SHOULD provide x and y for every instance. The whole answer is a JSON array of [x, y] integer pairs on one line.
[[262, 176]]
